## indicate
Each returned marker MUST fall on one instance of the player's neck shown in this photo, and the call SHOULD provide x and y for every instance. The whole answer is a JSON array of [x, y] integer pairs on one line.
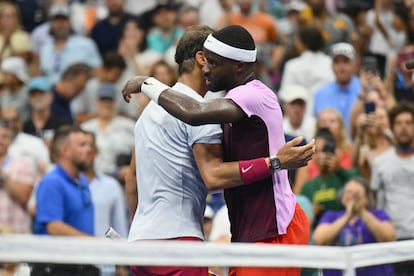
[[195, 82]]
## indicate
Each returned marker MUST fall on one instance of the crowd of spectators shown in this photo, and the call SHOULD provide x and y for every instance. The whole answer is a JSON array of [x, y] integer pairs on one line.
[[338, 68]]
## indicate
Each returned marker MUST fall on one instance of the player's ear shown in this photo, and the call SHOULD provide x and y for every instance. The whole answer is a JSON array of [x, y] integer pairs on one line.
[[200, 58]]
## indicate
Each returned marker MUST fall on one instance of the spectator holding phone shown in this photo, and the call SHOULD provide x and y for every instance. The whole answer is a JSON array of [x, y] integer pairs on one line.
[[331, 119], [374, 92], [400, 79], [323, 190], [373, 135], [359, 223]]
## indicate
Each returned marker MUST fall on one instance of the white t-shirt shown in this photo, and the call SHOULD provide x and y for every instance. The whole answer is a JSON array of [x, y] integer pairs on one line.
[[171, 193], [301, 71]]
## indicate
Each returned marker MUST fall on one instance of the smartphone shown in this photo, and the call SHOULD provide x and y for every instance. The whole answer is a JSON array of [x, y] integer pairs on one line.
[[369, 64], [329, 146], [369, 107]]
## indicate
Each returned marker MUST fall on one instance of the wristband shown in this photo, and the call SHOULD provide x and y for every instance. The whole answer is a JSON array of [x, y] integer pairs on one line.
[[253, 170], [152, 88]]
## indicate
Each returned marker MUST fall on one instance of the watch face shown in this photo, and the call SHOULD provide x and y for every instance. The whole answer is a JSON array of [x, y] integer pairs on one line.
[[275, 163]]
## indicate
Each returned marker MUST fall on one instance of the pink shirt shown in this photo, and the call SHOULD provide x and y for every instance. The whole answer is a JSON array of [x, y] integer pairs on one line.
[[264, 209]]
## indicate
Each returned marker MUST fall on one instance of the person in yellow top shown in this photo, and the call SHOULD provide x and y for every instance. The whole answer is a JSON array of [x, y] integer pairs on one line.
[[334, 27], [13, 39]]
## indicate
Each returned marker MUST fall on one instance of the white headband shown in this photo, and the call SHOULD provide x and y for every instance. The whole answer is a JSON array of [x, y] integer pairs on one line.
[[227, 51]]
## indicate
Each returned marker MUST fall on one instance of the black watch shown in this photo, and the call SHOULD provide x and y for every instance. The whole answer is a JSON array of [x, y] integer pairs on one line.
[[275, 164]]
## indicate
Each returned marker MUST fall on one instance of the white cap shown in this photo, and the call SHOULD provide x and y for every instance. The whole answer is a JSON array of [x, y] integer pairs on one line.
[[344, 49], [293, 92], [16, 66], [295, 5], [59, 10], [208, 212]]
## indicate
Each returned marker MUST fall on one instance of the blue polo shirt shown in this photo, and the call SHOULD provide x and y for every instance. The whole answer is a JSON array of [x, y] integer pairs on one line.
[[340, 98], [60, 198]]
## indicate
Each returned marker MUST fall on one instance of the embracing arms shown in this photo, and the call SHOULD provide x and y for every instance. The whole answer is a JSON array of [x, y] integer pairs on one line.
[[183, 107]]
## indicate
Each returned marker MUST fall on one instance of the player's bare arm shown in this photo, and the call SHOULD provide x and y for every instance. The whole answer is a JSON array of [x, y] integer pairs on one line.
[[187, 109]]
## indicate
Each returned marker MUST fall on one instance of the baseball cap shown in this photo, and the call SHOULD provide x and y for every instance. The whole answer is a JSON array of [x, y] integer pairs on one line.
[[106, 91], [15, 66], [292, 92], [59, 10], [40, 84], [344, 49]]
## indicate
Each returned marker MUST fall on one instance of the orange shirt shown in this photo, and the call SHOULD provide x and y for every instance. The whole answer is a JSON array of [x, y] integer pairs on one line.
[[260, 25]]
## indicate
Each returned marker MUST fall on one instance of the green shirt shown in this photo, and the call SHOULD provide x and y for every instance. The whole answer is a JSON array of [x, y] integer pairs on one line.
[[324, 191]]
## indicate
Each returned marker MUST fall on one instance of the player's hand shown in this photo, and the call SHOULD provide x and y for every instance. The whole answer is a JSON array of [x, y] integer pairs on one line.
[[291, 156], [132, 86]]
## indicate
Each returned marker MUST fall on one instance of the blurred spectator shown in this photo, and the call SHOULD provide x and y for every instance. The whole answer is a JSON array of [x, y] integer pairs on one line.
[[289, 24], [17, 178], [63, 200], [322, 191], [331, 119], [341, 94], [359, 223], [66, 48], [392, 176], [108, 200], [41, 122], [166, 33], [114, 134], [300, 70], [33, 13], [25, 145], [401, 22], [83, 105], [357, 11], [335, 27], [374, 92], [162, 72], [372, 138], [13, 39], [107, 32], [410, 38], [140, 7], [263, 29], [14, 94], [295, 120], [133, 48], [209, 11], [41, 34], [188, 16], [384, 36], [70, 85], [400, 79]]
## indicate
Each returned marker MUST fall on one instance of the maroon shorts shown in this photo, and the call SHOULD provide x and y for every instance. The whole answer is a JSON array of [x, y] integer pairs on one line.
[[171, 270]]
